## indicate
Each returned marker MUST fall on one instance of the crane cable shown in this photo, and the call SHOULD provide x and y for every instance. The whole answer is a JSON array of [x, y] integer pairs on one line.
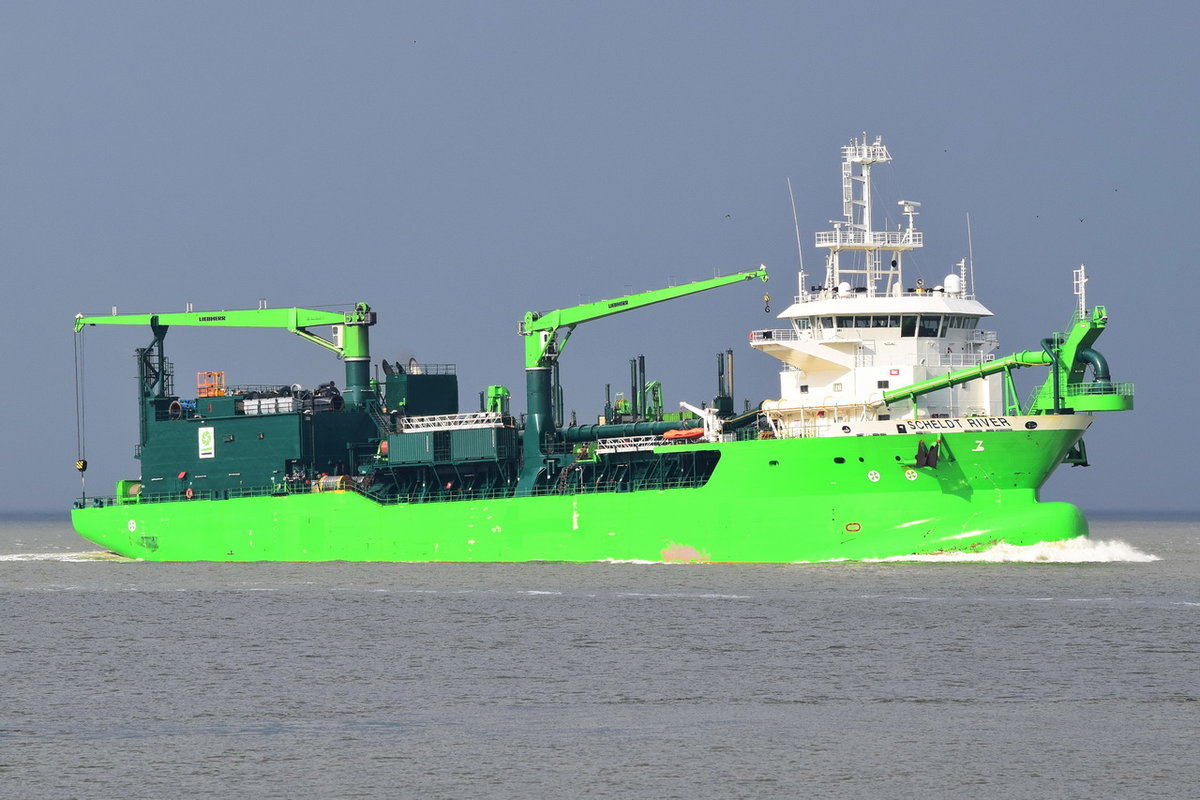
[[80, 418]]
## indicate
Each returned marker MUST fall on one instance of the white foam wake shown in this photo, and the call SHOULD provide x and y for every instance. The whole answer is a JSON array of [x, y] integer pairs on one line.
[[97, 555], [1080, 550]]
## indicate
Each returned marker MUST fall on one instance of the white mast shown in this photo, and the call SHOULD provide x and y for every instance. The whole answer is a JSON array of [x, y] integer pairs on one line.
[[803, 277], [856, 233], [1080, 276]]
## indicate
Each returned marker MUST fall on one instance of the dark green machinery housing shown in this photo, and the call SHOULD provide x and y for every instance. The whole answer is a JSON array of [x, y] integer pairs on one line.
[[400, 439]]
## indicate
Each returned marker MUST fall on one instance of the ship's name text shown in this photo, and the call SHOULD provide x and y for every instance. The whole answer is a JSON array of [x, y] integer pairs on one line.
[[970, 423]]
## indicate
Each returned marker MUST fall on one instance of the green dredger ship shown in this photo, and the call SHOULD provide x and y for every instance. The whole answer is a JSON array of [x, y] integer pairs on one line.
[[897, 432]]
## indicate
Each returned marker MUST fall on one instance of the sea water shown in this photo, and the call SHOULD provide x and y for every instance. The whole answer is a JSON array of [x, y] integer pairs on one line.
[[1059, 671]]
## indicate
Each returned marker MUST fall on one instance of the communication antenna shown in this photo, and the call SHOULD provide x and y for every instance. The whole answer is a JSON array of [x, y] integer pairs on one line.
[[799, 248], [970, 255]]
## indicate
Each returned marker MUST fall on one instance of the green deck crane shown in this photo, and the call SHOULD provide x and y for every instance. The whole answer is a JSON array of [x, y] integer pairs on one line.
[[353, 346], [543, 345]]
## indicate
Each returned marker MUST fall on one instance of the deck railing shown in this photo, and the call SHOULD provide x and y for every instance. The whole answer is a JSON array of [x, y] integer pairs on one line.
[[860, 238]]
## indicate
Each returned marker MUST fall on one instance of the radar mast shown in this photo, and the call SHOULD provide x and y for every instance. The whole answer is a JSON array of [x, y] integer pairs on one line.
[[855, 233]]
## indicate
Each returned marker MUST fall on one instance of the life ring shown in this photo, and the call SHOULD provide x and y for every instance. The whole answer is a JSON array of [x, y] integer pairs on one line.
[[188, 493]]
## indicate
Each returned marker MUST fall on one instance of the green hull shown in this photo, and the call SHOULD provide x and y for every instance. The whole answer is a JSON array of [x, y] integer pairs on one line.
[[791, 500]]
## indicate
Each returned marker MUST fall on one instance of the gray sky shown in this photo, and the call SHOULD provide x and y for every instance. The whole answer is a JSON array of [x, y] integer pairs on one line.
[[458, 164]]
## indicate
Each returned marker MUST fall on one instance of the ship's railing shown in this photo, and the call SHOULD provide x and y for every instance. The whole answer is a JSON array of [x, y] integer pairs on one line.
[[791, 335], [1121, 389], [429, 369], [859, 294], [775, 335], [261, 388], [924, 360], [625, 444], [607, 485], [1042, 393], [860, 238], [447, 422]]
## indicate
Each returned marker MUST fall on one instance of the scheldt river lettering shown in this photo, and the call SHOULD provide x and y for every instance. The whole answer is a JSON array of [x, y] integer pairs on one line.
[[970, 423]]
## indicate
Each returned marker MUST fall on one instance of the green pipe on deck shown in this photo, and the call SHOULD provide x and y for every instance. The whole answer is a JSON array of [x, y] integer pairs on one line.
[[1026, 358]]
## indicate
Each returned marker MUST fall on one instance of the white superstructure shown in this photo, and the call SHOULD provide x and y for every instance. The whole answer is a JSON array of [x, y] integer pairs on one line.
[[864, 331]]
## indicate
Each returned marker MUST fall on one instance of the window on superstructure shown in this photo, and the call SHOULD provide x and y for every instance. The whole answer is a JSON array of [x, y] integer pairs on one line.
[[804, 388], [880, 321], [927, 328], [845, 322], [882, 384], [908, 325], [826, 322], [862, 322], [803, 324], [970, 322]]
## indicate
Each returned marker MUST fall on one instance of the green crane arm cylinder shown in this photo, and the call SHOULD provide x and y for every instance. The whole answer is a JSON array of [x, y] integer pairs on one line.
[[356, 352]]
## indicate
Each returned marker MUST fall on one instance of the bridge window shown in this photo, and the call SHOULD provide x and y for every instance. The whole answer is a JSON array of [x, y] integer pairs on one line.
[[928, 326], [881, 321], [803, 324], [862, 322], [908, 325], [845, 322]]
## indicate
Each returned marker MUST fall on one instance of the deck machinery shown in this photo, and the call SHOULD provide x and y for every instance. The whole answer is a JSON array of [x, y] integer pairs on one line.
[[402, 438]]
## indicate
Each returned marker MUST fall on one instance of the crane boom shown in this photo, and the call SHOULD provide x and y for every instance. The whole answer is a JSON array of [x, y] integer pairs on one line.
[[296, 320], [542, 345], [542, 348], [354, 345]]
